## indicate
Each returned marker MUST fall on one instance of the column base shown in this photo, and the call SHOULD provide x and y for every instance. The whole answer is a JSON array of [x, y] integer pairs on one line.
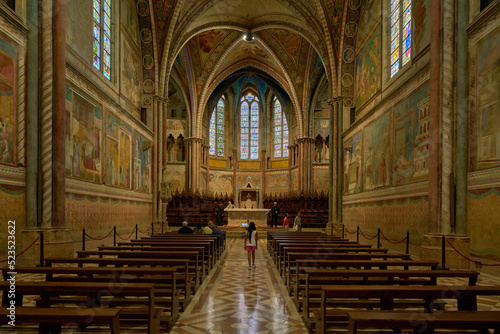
[[56, 243], [431, 250]]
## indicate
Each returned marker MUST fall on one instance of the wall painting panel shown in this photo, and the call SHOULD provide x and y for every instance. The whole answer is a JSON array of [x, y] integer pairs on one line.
[[352, 164], [377, 155], [368, 69], [370, 12], [142, 163], [131, 75], [118, 153], [8, 113]]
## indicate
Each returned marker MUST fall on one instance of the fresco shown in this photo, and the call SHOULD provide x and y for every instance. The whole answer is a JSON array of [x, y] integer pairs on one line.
[[131, 75], [220, 182], [277, 183], [370, 12], [207, 42], [83, 133], [376, 154], [368, 69], [411, 138], [352, 164], [142, 163], [294, 179], [421, 24], [129, 20], [290, 41], [488, 101], [118, 153], [321, 180], [176, 176], [8, 113]]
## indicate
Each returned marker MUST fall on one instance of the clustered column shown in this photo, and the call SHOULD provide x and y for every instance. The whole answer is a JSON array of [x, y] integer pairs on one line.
[[194, 163], [158, 159]]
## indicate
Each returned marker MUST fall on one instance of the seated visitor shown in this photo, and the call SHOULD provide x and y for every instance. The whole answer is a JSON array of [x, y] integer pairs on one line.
[[185, 228], [206, 229], [217, 231]]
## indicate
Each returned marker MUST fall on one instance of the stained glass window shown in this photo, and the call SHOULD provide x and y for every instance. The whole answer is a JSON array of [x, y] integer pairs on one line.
[[400, 34], [249, 127], [101, 30], [280, 131], [216, 130]]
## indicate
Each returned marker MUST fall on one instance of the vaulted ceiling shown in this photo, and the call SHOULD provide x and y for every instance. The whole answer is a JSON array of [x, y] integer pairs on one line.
[[200, 44]]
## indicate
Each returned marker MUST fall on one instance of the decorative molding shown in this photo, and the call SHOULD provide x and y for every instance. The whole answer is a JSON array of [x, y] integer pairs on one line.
[[11, 17], [417, 189], [75, 186], [483, 179], [486, 16]]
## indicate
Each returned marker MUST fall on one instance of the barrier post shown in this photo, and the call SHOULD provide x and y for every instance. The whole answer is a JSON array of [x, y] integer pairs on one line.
[[114, 235], [443, 254], [378, 238], [41, 249], [357, 234], [136, 230], [152, 229], [343, 227], [408, 242], [162, 227], [83, 239]]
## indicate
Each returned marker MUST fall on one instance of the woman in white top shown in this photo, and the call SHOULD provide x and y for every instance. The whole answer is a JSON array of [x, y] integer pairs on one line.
[[251, 241]]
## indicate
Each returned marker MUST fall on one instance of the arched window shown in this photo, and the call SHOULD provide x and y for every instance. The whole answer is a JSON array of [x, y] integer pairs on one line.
[[400, 34], [102, 37], [249, 127], [216, 131], [280, 131]]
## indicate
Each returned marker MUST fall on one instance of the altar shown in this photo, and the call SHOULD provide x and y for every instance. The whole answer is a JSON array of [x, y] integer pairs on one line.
[[239, 216]]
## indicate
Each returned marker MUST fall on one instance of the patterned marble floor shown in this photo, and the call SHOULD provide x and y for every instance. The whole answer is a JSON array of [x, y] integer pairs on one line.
[[238, 300]]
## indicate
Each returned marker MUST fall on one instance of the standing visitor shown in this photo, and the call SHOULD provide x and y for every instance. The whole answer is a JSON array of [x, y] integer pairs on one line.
[[218, 214], [297, 225], [285, 222], [251, 244], [274, 215]]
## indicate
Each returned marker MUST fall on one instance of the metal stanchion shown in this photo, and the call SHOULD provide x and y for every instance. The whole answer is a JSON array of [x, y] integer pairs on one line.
[[83, 239], [443, 252], [357, 234], [114, 236], [408, 242], [343, 227], [41, 250], [378, 238], [136, 230]]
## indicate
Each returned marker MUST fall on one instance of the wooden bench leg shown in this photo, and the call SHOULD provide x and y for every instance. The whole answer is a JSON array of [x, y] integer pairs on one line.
[[353, 327], [114, 326]]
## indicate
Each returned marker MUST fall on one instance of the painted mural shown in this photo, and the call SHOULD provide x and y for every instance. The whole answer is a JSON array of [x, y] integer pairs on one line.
[[220, 182], [294, 180], [131, 75], [422, 24], [118, 153], [8, 113], [277, 183], [129, 20], [83, 135], [488, 101], [411, 138], [376, 154], [352, 164], [176, 176], [368, 69], [321, 180], [370, 12], [142, 163], [208, 41]]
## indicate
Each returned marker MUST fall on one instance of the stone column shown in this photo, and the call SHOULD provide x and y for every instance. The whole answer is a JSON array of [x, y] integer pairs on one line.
[[264, 168], [194, 163], [58, 116], [462, 93], [335, 143], [32, 139], [434, 117], [158, 158], [154, 160]]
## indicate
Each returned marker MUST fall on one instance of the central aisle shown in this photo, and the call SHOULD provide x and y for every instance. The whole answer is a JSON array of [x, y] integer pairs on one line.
[[238, 300]]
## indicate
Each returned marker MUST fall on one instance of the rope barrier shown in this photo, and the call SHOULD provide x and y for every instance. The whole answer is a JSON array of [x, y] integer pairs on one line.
[[144, 231], [128, 236], [368, 238], [159, 229], [469, 259], [107, 235], [338, 231], [21, 253], [345, 228], [392, 242]]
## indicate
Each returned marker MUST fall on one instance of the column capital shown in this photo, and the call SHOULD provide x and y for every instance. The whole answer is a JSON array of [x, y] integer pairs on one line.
[[157, 98], [335, 99], [305, 140], [194, 140]]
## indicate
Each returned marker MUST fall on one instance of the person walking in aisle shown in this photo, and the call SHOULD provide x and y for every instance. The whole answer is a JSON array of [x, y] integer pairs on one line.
[[251, 241], [297, 225]]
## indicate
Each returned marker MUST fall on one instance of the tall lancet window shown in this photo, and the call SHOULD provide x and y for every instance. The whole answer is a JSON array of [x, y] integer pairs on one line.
[[216, 131], [102, 37], [249, 118], [400, 34], [280, 131]]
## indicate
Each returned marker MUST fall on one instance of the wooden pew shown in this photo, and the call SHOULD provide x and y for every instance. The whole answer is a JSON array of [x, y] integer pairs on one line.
[[424, 322], [466, 298], [52, 319], [194, 262], [94, 291], [185, 280], [165, 278]]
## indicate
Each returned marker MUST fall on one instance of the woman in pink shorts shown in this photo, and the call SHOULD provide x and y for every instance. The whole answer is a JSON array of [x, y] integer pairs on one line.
[[251, 244]]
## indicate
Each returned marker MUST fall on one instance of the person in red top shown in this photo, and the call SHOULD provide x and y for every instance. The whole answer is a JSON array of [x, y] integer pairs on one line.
[[285, 222]]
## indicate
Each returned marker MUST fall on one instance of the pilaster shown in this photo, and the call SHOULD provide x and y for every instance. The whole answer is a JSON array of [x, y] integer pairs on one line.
[[194, 163]]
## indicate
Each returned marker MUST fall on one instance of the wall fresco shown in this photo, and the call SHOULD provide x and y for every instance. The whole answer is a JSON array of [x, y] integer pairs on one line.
[[377, 154], [352, 164], [220, 182], [368, 69], [118, 153], [131, 74], [294, 180], [129, 20], [8, 94], [321, 180], [411, 138], [421, 25], [370, 12], [176, 176], [83, 133], [277, 183], [142, 163], [488, 101]]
